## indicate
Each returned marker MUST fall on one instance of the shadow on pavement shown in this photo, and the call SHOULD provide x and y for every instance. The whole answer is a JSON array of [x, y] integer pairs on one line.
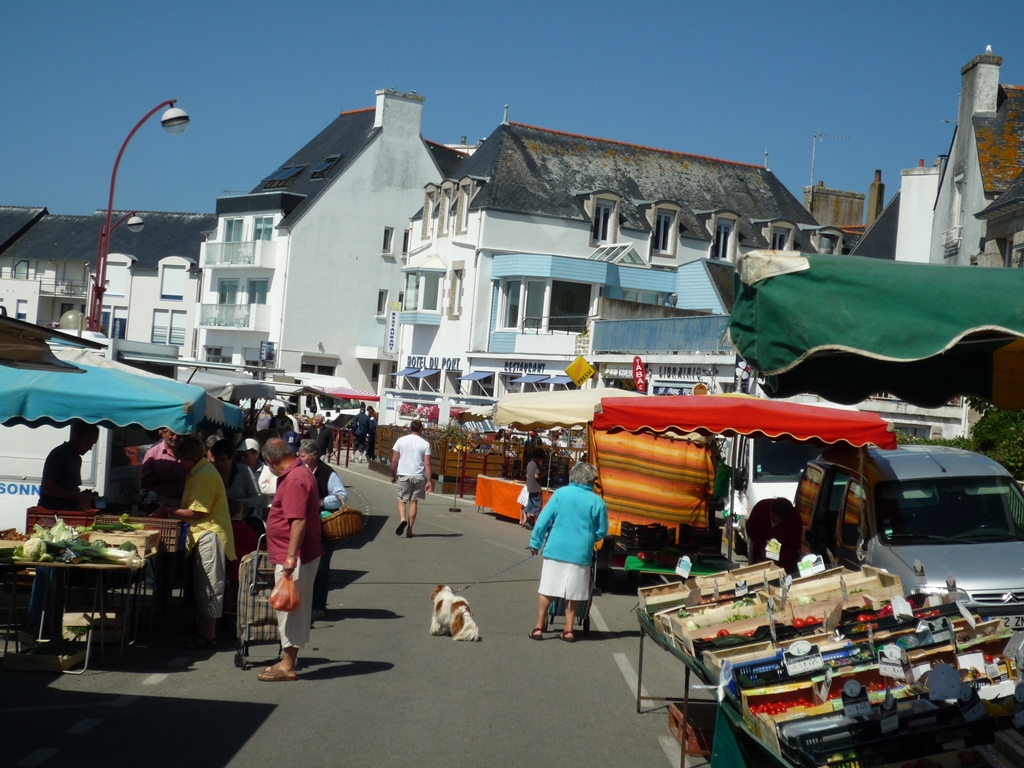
[[435, 535], [125, 726], [342, 578], [372, 525], [361, 613], [330, 669]]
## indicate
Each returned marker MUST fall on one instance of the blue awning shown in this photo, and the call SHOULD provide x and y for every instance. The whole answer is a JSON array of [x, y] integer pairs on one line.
[[424, 373], [405, 372], [530, 378], [476, 376], [107, 397], [559, 380]]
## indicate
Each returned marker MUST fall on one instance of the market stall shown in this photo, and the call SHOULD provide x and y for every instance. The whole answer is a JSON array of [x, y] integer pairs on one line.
[[501, 496]]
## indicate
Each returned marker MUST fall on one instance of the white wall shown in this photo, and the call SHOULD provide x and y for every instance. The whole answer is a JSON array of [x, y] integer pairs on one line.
[[146, 297], [917, 201]]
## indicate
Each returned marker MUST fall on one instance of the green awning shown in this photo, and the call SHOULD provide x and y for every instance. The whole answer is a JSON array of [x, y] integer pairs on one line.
[[846, 327]]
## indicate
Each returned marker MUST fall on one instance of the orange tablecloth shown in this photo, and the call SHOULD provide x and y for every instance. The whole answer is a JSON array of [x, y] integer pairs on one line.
[[500, 495]]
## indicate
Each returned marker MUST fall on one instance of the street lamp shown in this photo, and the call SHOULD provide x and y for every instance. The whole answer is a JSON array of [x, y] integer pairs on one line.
[[174, 121]]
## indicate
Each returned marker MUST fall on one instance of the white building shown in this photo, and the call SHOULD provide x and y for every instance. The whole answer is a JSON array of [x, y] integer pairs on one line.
[[310, 258], [152, 276], [540, 233]]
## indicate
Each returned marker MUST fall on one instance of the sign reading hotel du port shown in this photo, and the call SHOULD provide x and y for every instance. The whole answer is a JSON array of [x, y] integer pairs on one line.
[[639, 375]]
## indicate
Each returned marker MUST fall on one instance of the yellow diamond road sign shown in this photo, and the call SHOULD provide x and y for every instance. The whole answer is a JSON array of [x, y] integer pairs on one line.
[[580, 370]]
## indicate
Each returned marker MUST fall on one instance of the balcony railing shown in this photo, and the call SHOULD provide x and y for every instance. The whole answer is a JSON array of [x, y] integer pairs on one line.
[[75, 288], [951, 240], [252, 253], [243, 317]]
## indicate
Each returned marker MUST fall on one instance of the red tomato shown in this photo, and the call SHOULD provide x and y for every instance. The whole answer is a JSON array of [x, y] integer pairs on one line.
[[799, 623], [723, 633], [864, 618]]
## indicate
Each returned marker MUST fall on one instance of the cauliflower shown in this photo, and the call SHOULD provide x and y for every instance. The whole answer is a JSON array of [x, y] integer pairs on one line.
[[34, 549]]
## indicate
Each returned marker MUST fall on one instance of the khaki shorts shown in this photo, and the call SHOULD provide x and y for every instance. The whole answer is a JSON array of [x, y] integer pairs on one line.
[[209, 576], [412, 487], [294, 625]]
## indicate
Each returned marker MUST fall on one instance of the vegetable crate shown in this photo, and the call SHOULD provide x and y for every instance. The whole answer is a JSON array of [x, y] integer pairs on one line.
[[145, 541], [48, 517], [46, 656], [754, 575], [170, 530], [106, 629], [661, 597]]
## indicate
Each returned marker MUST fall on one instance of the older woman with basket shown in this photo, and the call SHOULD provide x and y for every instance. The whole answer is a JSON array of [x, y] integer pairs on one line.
[[332, 498], [574, 520]]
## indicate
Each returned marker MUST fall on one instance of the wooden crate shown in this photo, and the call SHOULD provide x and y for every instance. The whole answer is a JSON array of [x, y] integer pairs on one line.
[[108, 629], [877, 584], [146, 541], [700, 725], [64, 659], [662, 596], [712, 623], [753, 574]]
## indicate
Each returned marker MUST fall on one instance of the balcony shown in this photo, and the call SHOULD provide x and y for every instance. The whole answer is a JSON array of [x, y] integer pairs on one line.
[[252, 253], [951, 240], [705, 333], [239, 317], [73, 288]]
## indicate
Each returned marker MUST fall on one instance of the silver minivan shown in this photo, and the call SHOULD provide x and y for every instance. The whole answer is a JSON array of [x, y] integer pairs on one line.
[[947, 511]]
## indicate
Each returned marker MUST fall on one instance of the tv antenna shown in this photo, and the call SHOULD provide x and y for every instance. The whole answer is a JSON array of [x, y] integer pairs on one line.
[[814, 147]]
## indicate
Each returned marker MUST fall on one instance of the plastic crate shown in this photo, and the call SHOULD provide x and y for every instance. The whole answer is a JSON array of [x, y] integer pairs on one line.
[[643, 536], [171, 530], [47, 518]]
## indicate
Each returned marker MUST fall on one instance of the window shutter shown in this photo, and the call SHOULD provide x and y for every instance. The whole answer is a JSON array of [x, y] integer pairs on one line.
[[172, 285]]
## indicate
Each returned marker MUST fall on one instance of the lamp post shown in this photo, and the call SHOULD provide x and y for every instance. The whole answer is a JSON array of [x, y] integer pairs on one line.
[[174, 121]]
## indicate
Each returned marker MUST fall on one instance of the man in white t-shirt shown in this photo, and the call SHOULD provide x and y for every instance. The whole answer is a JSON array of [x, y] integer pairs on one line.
[[410, 468]]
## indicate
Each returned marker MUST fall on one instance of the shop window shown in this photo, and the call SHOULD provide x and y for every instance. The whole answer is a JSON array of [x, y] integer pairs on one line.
[[512, 299]]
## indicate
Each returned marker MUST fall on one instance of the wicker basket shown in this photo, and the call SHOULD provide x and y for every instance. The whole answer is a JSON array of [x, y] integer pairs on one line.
[[343, 524]]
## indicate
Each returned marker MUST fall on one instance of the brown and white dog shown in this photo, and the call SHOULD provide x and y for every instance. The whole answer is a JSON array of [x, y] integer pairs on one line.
[[452, 615]]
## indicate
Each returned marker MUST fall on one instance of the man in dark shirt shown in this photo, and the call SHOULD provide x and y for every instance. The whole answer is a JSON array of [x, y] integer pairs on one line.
[[62, 472]]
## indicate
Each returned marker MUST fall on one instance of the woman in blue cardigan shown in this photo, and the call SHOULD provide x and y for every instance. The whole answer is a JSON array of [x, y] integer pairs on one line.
[[577, 519]]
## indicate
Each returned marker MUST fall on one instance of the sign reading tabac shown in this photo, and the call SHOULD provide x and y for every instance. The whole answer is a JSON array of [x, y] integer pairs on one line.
[[639, 375], [579, 370]]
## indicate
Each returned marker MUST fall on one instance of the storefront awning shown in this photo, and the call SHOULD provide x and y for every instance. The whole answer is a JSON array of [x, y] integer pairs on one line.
[[530, 378], [476, 376], [405, 372], [558, 380], [424, 373]]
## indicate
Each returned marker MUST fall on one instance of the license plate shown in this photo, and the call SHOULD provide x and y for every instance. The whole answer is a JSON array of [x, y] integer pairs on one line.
[[1013, 622]]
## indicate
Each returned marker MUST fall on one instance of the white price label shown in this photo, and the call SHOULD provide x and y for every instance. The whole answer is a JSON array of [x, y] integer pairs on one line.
[[919, 575], [741, 588], [826, 684], [892, 663], [802, 657], [901, 608], [941, 630], [810, 565], [855, 700], [966, 614], [773, 550], [716, 590], [683, 566]]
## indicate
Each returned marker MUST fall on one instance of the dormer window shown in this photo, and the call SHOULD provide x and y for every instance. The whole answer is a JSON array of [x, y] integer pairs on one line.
[[320, 171], [454, 201], [428, 211], [781, 238], [661, 239], [724, 245], [282, 177], [602, 229]]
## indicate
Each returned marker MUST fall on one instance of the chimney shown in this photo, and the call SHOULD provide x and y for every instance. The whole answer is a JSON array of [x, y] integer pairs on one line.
[[979, 91], [876, 198], [398, 109]]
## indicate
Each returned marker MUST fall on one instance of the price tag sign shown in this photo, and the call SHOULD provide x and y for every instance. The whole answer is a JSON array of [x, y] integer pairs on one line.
[[826, 684], [716, 590], [741, 588], [810, 565], [892, 662], [941, 629], [694, 597], [831, 558], [787, 582], [724, 679], [855, 700], [889, 714], [773, 550], [943, 683], [801, 658], [951, 595], [920, 577], [966, 614], [832, 620], [765, 574], [970, 704], [871, 640], [683, 566], [845, 590], [771, 618], [1018, 706], [901, 608]]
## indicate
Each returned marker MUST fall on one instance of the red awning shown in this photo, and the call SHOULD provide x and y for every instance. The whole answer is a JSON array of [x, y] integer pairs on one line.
[[738, 415], [348, 394]]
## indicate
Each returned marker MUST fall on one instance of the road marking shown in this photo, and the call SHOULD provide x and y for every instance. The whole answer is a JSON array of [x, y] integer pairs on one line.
[[627, 672], [599, 621], [84, 726], [124, 701], [159, 677], [673, 751], [38, 757], [522, 551], [180, 661]]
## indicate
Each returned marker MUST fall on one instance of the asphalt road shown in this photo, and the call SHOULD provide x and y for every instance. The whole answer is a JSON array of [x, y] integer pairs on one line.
[[375, 688]]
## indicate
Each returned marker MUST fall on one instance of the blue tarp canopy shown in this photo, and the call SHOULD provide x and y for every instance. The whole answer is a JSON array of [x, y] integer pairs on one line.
[[476, 376], [107, 397], [530, 378]]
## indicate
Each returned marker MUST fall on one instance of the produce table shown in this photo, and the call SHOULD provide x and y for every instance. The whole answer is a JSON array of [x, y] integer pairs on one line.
[[501, 496], [634, 563], [97, 574], [727, 750]]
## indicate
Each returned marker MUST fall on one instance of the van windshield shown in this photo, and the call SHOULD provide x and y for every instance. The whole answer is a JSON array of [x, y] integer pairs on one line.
[[781, 461], [951, 509]]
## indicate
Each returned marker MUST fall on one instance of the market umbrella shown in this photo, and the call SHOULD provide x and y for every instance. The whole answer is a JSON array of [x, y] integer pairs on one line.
[[108, 397], [845, 328], [548, 410]]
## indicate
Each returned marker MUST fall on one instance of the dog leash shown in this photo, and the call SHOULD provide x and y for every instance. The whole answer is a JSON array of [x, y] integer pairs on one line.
[[495, 574]]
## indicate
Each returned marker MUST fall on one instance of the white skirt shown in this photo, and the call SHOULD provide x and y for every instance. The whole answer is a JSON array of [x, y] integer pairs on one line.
[[565, 580]]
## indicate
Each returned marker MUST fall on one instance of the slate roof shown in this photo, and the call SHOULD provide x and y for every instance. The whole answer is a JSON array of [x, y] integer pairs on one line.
[[721, 274], [1011, 200], [448, 160], [15, 221], [879, 242], [74, 238], [537, 171], [347, 135], [1000, 140]]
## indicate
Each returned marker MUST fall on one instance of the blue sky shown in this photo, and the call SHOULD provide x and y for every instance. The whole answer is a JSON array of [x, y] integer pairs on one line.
[[259, 79]]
